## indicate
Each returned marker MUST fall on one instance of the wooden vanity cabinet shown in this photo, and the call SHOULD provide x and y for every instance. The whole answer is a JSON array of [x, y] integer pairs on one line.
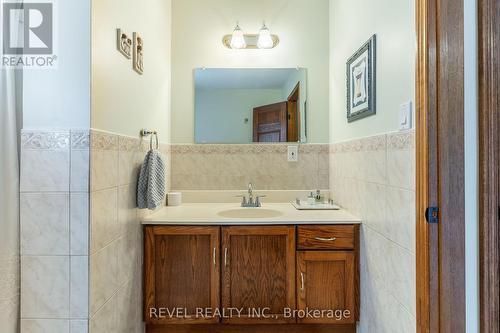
[[328, 272], [182, 273], [258, 273], [252, 267], [326, 281]]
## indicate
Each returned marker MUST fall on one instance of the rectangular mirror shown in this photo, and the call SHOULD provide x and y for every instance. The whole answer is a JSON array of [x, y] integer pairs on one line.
[[250, 105]]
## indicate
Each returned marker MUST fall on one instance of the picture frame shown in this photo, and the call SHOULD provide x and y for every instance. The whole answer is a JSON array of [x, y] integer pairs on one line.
[[361, 82]]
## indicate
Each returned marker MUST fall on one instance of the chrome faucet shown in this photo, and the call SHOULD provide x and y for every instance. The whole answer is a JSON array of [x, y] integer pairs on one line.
[[250, 202]]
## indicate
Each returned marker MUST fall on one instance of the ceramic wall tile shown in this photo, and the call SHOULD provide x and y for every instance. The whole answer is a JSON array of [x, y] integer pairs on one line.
[[104, 160], [374, 178], [127, 209], [79, 223], [78, 326], [79, 287], [105, 320], [45, 161], [400, 226], [232, 167], [103, 276], [45, 326], [127, 308], [45, 287], [396, 268], [128, 251], [104, 218], [130, 158], [45, 224], [80, 161]]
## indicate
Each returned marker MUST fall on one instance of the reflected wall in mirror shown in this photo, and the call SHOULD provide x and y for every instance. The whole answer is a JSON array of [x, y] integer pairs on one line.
[[250, 105]]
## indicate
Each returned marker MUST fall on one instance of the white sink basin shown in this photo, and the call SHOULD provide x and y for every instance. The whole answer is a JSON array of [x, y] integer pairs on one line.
[[250, 213]]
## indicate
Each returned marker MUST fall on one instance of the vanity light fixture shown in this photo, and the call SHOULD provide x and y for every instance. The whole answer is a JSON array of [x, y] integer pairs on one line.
[[240, 40], [265, 40]]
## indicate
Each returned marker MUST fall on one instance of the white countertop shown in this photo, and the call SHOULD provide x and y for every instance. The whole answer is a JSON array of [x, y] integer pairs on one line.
[[207, 214]]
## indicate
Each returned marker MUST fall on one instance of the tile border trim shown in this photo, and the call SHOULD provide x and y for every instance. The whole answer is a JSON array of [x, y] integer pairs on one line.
[[45, 140]]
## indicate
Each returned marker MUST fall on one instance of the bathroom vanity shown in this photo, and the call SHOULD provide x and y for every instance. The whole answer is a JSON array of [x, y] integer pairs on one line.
[[284, 270]]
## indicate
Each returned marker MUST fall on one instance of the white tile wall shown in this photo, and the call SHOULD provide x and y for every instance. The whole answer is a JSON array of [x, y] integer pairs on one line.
[[45, 224], [375, 179], [45, 326], [116, 237], [45, 287], [54, 231]]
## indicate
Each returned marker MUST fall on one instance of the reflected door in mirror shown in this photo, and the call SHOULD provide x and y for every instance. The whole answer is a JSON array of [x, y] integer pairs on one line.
[[270, 123]]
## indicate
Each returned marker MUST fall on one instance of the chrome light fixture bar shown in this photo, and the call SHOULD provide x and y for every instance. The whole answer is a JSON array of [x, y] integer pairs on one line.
[[239, 40]]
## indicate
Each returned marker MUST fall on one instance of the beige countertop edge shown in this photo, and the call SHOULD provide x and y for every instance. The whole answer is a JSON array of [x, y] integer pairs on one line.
[[206, 214]]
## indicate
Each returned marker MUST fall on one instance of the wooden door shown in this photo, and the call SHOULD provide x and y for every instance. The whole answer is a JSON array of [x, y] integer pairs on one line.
[[326, 282], [270, 123], [440, 243], [489, 164], [181, 271], [258, 273]]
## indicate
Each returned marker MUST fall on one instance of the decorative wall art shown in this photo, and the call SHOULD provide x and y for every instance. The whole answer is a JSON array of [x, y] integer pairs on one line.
[[138, 53], [123, 43], [361, 82]]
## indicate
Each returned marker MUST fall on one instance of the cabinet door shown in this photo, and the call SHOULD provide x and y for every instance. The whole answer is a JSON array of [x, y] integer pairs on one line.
[[326, 282], [258, 273], [181, 274]]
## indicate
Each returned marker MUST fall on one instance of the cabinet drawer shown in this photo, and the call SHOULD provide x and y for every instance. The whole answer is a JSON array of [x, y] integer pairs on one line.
[[319, 237]]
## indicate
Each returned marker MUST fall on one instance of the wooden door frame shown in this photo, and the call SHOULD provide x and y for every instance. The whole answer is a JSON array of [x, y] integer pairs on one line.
[[489, 161], [440, 247], [296, 90]]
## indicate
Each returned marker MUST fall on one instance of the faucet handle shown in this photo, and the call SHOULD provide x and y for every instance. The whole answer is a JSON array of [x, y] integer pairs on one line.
[[243, 199], [257, 199]]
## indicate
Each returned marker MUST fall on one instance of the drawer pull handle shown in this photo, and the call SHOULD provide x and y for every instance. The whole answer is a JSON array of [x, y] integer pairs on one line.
[[215, 256], [225, 256], [301, 281], [321, 239]]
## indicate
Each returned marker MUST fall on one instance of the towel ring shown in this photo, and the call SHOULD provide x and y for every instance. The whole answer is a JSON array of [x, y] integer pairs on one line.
[[151, 141]]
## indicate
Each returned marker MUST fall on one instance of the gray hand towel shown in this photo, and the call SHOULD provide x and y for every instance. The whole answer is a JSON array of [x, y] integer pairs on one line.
[[151, 184]]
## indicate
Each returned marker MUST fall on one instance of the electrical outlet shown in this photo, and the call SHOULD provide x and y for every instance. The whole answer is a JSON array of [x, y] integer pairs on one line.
[[405, 116], [293, 153]]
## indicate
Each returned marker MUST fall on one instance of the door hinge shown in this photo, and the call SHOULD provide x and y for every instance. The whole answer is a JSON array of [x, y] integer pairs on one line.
[[432, 215]]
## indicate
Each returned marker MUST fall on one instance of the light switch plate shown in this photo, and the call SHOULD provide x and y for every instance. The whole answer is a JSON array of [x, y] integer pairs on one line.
[[293, 153], [405, 116]]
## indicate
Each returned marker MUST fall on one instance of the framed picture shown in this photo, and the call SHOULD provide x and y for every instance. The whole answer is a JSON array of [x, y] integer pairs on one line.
[[361, 82]]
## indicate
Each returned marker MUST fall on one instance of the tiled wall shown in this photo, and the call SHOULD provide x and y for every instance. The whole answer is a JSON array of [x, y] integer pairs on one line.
[[81, 242], [375, 178], [54, 231], [232, 167], [116, 237]]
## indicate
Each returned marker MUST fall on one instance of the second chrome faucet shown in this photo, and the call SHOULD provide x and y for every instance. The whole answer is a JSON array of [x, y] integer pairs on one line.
[[252, 201]]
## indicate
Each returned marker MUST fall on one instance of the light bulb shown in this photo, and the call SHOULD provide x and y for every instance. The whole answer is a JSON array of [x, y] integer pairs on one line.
[[238, 39], [265, 40]]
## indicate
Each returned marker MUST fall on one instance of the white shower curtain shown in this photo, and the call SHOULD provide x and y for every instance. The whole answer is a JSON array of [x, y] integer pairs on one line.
[[9, 205], [9, 202]]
